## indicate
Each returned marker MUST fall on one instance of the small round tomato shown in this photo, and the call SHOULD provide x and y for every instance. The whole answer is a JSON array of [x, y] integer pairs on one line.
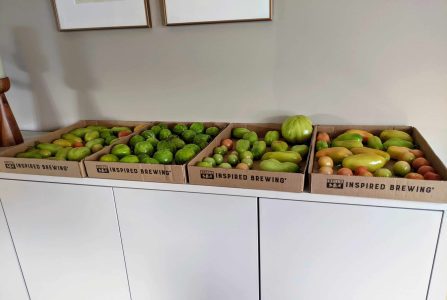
[[326, 170], [344, 172], [325, 161], [227, 143], [418, 153], [383, 172], [432, 176], [419, 162], [323, 136], [242, 166], [416, 176], [359, 171], [424, 169]]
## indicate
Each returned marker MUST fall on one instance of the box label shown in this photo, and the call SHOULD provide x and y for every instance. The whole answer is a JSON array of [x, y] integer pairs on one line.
[[215, 175], [104, 169], [341, 184], [31, 166]]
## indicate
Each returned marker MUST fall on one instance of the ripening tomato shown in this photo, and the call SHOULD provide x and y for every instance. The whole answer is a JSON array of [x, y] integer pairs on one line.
[[227, 143], [124, 133], [323, 136], [78, 144], [344, 172], [359, 171]]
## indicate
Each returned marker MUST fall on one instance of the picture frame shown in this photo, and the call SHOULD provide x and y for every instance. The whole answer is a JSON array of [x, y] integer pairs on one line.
[[192, 12], [72, 15]]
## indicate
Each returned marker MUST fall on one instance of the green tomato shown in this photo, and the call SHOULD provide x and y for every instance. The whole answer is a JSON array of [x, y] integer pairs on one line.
[[218, 158], [121, 150]]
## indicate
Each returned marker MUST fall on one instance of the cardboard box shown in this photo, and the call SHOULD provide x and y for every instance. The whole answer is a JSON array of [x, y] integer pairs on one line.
[[379, 187], [10, 164], [248, 179], [140, 172]]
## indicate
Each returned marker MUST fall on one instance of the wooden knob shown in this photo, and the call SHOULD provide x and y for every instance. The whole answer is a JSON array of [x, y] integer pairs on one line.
[[10, 134]]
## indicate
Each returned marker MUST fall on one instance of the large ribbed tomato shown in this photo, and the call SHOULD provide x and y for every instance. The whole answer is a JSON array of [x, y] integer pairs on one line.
[[297, 129]]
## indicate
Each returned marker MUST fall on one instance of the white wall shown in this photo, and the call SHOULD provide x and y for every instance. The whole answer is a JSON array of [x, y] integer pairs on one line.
[[346, 61]]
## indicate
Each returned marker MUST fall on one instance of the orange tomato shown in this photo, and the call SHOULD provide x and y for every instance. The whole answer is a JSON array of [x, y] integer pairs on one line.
[[227, 143], [416, 176], [323, 136]]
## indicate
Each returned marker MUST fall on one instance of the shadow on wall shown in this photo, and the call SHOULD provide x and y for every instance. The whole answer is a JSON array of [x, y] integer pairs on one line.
[[30, 59], [77, 75]]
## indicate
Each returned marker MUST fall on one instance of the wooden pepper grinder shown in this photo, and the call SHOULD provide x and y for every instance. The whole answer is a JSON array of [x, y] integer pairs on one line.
[[10, 134]]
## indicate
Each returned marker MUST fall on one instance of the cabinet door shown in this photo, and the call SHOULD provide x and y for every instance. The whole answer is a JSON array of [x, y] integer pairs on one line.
[[67, 240], [323, 251], [189, 246], [12, 285]]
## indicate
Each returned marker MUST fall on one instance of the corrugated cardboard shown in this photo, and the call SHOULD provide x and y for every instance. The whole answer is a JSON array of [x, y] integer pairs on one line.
[[140, 172], [249, 179], [377, 187], [10, 164]]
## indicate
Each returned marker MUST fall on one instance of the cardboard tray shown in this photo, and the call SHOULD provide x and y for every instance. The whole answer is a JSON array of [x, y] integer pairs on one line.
[[140, 172], [377, 187], [11, 164], [248, 179]]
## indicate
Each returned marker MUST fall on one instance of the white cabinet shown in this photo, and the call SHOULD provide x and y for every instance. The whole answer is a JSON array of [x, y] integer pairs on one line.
[[67, 240], [189, 246], [323, 251], [12, 285]]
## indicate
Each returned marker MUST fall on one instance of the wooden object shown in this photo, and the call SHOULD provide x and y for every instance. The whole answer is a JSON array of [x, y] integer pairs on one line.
[[9, 130]]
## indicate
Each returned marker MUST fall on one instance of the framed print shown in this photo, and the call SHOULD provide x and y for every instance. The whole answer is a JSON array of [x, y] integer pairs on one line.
[[101, 14], [182, 12]]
